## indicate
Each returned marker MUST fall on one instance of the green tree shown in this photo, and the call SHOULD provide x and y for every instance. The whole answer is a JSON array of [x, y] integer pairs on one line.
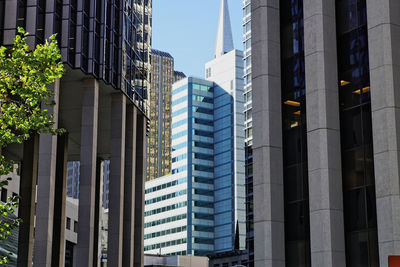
[[24, 79]]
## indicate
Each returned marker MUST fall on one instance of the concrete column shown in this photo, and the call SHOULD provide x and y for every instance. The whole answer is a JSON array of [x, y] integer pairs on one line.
[[87, 179], [323, 135], [384, 61], [116, 186], [60, 195], [26, 209], [140, 176], [45, 190], [269, 228], [129, 187], [10, 22]]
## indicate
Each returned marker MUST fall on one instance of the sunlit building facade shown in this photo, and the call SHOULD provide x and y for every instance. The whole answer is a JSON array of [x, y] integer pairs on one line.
[[199, 208], [159, 138]]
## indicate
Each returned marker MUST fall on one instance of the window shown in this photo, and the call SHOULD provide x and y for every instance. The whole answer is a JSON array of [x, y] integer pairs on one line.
[[359, 201], [3, 194], [68, 226], [75, 226], [294, 130]]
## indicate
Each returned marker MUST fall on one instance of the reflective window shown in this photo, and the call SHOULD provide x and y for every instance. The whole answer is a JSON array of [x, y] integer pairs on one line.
[[297, 222], [356, 134]]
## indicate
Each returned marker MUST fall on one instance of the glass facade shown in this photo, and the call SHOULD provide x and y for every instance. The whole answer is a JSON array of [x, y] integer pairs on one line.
[[248, 124], [143, 10], [356, 134], [160, 103], [108, 39], [202, 174], [294, 130], [202, 166]]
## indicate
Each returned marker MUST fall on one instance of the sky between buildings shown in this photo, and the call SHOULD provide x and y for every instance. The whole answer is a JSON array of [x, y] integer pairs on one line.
[[187, 29]]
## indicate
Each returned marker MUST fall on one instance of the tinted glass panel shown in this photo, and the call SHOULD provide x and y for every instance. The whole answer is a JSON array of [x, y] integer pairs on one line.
[[356, 134]]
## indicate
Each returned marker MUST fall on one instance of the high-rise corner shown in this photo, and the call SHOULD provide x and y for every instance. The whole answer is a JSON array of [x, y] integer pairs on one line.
[[101, 101], [326, 180]]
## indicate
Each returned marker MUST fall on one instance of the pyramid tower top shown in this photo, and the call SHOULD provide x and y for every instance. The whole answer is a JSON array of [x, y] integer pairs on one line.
[[224, 35]]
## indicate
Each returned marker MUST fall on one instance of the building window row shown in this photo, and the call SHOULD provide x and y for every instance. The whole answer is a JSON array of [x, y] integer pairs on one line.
[[166, 220], [180, 89], [179, 146], [166, 185], [202, 87], [180, 169], [165, 197], [167, 208], [203, 99], [166, 244], [178, 158], [166, 232], [203, 133], [203, 122], [203, 180], [179, 123], [179, 135], [179, 100], [203, 110], [179, 112]]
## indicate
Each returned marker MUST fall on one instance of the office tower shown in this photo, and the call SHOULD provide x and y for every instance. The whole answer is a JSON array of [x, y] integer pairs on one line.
[[143, 11], [73, 179], [101, 107], [248, 131], [184, 214], [159, 138], [178, 75], [226, 71], [326, 179], [173, 224]]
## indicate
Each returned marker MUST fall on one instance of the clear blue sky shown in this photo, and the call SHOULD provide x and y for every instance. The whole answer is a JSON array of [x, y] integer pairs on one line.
[[187, 29]]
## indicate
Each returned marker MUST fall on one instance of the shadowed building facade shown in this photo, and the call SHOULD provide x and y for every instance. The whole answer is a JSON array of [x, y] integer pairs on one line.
[[101, 102], [325, 116]]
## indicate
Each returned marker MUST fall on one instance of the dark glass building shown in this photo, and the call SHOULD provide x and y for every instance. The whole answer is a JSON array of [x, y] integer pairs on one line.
[[107, 39], [325, 147], [101, 102]]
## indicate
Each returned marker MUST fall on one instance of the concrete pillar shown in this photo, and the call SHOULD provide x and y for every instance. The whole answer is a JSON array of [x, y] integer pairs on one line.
[[10, 22], [60, 195], [269, 229], [384, 62], [140, 176], [97, 212], [87, 179], [323, 135], [26, 209], [45, 190], [129, 187], [116, 186]]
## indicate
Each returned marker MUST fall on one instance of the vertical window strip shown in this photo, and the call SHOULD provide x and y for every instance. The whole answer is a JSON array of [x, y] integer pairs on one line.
[[296, 199]]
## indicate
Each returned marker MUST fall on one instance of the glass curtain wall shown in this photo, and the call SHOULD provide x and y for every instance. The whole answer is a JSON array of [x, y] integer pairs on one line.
[[248, 124], [297, 223], [356, 134]]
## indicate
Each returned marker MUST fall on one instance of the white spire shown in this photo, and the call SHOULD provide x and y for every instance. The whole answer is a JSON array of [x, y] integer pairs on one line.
[[224, 35]]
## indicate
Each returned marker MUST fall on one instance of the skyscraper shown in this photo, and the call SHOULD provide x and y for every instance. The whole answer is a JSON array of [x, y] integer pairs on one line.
[[326, 127], [159, 138], [248, 131], [143, 14], [226, 71], [101, 102], [200, 208]]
